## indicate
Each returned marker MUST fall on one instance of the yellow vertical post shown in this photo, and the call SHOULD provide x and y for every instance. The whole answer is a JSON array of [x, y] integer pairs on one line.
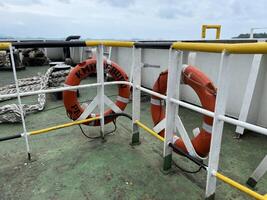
[[205, 27], [218, 32], [203, 33]]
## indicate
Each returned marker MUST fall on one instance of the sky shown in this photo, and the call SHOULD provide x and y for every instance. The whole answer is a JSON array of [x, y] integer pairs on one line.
[[129, 19]]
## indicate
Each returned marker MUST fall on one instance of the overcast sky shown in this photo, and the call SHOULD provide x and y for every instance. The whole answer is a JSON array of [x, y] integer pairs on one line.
[[129, 19]]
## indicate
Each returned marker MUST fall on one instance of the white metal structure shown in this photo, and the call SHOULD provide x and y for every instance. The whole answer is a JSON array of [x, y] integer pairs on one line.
[[19, 101], [172, 102], [136, 96], [251, 84], [258, 172], [241, 70], [217, 129]]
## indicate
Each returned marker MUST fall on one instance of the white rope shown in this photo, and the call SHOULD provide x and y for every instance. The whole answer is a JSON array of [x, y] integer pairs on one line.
[[10, 113]]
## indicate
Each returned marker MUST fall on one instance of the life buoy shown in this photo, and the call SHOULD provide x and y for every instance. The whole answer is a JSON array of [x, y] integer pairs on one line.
[[206, 92], [83, 70]]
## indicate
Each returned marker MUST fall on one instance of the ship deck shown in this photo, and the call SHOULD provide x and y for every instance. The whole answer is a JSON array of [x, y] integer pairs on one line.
[[67, 165]]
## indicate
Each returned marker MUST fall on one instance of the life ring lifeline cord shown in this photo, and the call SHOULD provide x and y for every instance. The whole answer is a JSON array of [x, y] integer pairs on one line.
[[206, 92], [83, 70]]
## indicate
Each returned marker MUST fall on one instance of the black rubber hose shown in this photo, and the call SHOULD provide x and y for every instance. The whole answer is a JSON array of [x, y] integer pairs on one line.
[[49, 44], [175, 149], [193, 159], [10, 137], [72, 37], [118, 115], [112, 115]]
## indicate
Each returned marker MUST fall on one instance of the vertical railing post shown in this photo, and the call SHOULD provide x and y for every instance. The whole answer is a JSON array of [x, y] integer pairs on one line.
[[81, 53], [251, 33], [100, 89], [175, 65], [19, 101], [136, 76], [217, 129], [258, 173], [251, 84]]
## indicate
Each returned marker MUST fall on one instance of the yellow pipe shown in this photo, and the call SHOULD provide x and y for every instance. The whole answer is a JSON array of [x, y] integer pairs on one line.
[[212, 26], [62, 126], [149, 130], [244, 48], [218, 33], [240, 187], [217, 174], [4, 45], [111, 43], [205, 27], [198, 46]]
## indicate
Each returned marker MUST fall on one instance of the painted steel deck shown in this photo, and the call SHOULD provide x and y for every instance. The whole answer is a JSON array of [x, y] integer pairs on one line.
[[66, 165]]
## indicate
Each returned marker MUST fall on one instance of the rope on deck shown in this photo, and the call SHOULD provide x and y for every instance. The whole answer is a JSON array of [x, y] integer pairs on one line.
[[10, 113]]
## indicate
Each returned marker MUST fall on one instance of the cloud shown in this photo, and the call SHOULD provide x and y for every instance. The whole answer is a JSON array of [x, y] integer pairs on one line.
[[65, 1], [21, 2], [126, 19], [173, 12], [119, 3]]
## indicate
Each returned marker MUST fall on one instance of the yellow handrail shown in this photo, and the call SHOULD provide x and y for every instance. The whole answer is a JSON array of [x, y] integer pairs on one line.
[[205, 27], [62, 126], [240, 187], [4, 45], [111, 43], [149, 130], [244, 48], [217, 174], [247, 48]]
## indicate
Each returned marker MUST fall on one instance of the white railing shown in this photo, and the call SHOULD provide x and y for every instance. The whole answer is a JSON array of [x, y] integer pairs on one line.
[[172, 97]]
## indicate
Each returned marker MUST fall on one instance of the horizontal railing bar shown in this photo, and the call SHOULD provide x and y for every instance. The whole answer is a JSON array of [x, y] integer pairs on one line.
[[211, 26], [245, 125], [197, 46], [49, 44], [244, 48], [151, 92], [22, 94], [40, 131], [4, 45], [153, 45], [193, 107], [111, 43], [184, 104], [239, 186], [149, 130], [226, 41], [80, 43], [229, 120]]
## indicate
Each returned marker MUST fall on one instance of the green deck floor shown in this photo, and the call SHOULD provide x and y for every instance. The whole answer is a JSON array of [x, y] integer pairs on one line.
[[66, 165]]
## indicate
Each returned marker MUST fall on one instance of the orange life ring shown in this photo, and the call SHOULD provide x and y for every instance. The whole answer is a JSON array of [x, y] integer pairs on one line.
[[83, 70], [206, 92]]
